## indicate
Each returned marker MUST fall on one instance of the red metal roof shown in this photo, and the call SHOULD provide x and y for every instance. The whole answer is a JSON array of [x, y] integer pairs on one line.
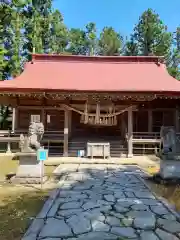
[[84, 73]]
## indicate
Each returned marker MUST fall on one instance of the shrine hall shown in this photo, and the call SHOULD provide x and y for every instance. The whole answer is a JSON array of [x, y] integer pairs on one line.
[[115, 105]]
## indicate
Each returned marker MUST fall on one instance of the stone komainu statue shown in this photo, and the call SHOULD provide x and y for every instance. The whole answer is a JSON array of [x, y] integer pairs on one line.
[[168, 140], [31, 142]]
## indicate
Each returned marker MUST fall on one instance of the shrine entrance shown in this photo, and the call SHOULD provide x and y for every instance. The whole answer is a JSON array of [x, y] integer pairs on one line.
[[97, 120], [100, 124]]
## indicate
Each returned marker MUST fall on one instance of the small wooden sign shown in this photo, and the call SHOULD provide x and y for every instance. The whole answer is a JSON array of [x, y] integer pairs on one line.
[[65, 130], [48, 118]]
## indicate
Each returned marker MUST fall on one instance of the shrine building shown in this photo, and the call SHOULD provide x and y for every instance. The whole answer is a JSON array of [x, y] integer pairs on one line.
[[122, 101]]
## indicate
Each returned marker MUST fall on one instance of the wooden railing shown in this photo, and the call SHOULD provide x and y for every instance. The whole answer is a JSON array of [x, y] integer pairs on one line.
[[4, 133], [50, 139], [146, 135], [146, 142], [7, 138]]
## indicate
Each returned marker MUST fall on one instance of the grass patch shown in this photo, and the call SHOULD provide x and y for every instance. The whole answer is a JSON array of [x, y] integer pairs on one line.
[[17, 207], [18, 203], [169, 192], [49, 170], [7, 165]]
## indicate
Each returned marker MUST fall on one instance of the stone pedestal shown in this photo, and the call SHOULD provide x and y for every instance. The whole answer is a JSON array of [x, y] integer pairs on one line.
[[29, 169], [170, 169]]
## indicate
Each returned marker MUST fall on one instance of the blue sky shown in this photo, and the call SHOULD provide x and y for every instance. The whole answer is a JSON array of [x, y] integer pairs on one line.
[[122, 15]]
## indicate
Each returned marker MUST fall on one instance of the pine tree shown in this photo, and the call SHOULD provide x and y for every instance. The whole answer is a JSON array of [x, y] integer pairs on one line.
[[6, 38], [131, 48], [32, 32], [77, 41], [110, 42], [91, 39], [59, 33], [174, 64], [37, 31], [17, 24], [151, 35]]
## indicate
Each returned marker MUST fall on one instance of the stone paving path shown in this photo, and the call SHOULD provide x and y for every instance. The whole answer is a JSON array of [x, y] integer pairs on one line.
[[103, 203]]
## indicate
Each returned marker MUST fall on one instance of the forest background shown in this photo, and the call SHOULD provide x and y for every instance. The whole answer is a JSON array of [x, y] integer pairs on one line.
[[28, 26]]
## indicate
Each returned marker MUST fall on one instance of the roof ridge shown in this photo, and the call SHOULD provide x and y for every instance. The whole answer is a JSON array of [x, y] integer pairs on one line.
[[65, 57]]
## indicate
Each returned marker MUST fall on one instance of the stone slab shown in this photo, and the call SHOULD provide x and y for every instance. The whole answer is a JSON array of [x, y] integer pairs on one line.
[[55, 228]]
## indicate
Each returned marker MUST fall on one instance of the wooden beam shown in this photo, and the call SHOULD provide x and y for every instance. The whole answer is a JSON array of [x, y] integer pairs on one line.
[[40, 107]]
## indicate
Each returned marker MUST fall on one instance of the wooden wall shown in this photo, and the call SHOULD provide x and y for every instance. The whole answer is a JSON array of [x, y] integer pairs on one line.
[[163, 117], [163, 113], [56, 122], [140, 121], [159, 117], [24, 118]]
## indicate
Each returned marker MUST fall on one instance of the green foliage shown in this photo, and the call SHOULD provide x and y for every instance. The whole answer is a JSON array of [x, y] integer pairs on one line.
[[110, 42], [91, 39], [77, 41], [33, 26], [131, 48], [37, 27], [59, 33], [151, 35], [6, 40], [4, 117], [174, 64], [83, 42], [28, 26]]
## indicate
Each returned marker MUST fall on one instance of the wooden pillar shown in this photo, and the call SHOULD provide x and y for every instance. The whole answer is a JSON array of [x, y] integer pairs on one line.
[[13, 120], [130, 132], [66, 132], [43, 118], [177, 119], [70, 123], [150, 120], [123, 126]]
